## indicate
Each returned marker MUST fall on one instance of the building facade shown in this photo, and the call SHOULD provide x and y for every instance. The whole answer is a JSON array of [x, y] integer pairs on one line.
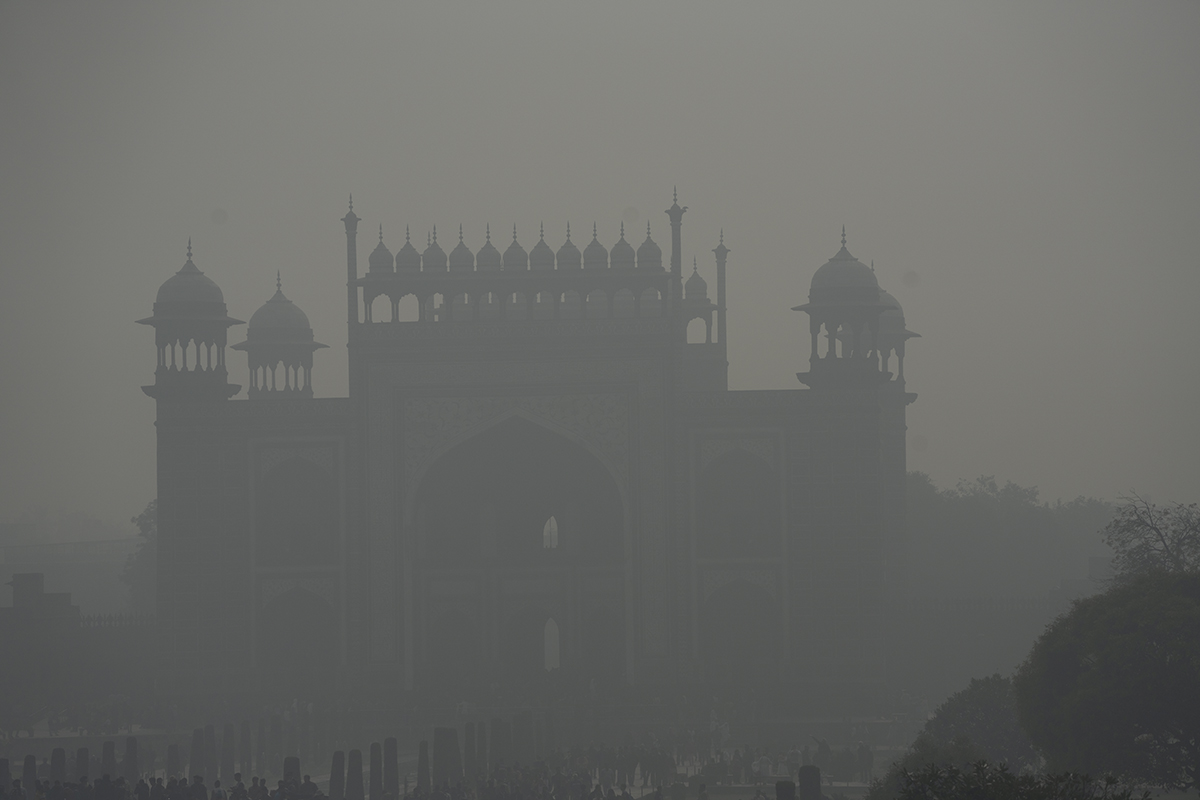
[[535, 476]]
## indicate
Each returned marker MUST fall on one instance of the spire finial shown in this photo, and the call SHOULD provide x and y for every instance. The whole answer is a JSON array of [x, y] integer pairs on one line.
[[460, 233], [278, 282], [542, 231], [435, 234], [352, 202], [381, 233], [489, 233], [189, 248], [722, 236], [675, 194], [406, 239], [647, 229], [695, 269], [843, 236], [593, 230], [568, 231], [622, 229], [514, 231]]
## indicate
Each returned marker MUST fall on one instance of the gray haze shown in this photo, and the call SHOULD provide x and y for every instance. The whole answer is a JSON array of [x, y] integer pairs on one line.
[[1025, 178]]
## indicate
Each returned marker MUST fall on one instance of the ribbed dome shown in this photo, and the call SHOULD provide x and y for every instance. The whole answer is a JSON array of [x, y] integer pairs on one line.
[[279, 320], [190, 286], [594, 255], [434, 258], [461, 257], [380, 259], [569, 256], [649, 256], [515, 256], [541, 257], [622, 255], [695, 288], [488, 257]]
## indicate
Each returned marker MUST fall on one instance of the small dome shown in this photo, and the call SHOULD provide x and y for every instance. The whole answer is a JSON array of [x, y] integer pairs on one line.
[[622, 255], [569, 256], [649, 255], [380, 259], [190, 286], [434, 257], [407, 257], [515, 256], [279, 320], [541, 257], [461, 257], [488, 258], [695, 288], [594, 255], [844, 279]]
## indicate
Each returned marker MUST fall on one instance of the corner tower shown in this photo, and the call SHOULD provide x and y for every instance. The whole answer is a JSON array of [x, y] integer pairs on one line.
[[280, 336], [190, 325]]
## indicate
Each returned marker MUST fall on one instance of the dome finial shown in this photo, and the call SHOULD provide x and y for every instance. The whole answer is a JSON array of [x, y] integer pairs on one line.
[[722, 236], [278, 282], [675, 194], [406, 239], [189, 248], [435, 234], [489, 233], [622, 229], [352, 202], [695, 269], [542, 231], [593, 230], [843, 236], [381, 233], [568, 231], [647, 229], [460, 233], [514, 231]]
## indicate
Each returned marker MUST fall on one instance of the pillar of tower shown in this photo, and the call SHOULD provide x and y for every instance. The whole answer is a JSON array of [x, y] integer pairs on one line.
[[722, 253], [675, 212], [351, 221]]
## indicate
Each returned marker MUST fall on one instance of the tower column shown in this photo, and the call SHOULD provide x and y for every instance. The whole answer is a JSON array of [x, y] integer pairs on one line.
[[722, 253], [351, 221], [675, 212]]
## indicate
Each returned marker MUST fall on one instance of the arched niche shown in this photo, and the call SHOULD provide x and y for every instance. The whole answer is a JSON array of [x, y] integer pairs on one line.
[[740, 636], [493, 495], [738, 508], [296, 516]]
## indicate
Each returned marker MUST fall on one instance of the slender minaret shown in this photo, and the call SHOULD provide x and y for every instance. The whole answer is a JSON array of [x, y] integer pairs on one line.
[[722, 252], [351, 220], [675, 212]]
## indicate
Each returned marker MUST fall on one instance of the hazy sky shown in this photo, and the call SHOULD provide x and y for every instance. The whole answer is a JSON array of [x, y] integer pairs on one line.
[[1025, 176]]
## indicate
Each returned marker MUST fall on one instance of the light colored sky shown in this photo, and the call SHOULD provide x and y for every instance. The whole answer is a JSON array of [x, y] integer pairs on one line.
[[1031, 168]]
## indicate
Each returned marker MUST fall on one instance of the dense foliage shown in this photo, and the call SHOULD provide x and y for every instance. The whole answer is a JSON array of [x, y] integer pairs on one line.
[[986, 714], [1114, 685], [926, 751], [141, 568], [984, 539], [985, 781]]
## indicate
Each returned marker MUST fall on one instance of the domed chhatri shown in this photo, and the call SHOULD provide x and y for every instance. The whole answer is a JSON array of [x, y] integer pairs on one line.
[[279, 336], [189, 292], [190, 324], [695, 289], [380, 259], [434, 257], [488, 259], [541, 257], [569, 257], [594, 255], [844, 278], [622, 256], [515, 257], [461, 257], [407, 257], [649, 254]]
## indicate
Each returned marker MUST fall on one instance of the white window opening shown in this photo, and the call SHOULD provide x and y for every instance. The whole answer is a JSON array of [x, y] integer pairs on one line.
[[550, 537]]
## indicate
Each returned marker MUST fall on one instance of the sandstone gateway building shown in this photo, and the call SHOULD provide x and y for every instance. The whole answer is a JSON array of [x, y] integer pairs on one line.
[[535, 477]]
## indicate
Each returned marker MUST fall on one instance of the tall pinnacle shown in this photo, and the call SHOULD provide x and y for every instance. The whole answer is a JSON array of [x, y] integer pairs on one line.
[[843, 236], [189, 248], [460, 233], [381, 233], [278, 282]]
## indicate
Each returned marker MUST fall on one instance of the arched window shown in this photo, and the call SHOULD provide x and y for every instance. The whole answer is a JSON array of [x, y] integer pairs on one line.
[[408, 309], [550, 534], [697, 332], [550, 642]]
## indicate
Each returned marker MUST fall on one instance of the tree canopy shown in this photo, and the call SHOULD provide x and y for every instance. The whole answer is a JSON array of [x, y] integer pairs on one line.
[[1146, 538], [141, 568], [1114, 685], [985, 781], [986, 713]]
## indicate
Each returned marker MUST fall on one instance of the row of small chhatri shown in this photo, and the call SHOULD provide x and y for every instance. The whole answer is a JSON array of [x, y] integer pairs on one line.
[[594, 256]]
